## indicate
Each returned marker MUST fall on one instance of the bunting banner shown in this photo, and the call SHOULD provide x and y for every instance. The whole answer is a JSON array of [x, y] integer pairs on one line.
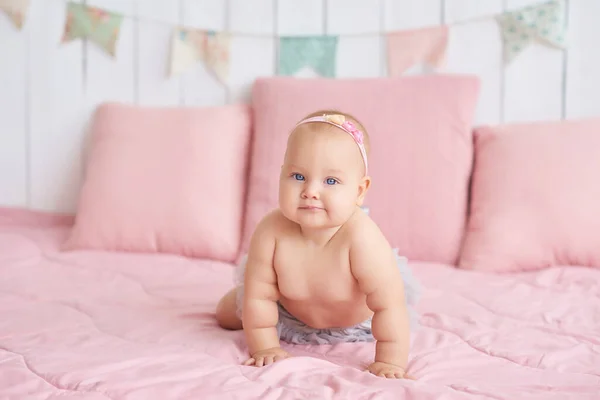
[[318, 53], [16, 10], [543, 23], [419, 46], [97, 25], [190, 46]]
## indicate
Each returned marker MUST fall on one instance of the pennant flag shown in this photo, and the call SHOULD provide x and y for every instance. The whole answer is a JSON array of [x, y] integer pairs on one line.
[[318, 52], [212, 48], [16, 10], [99, 26], [407, 48], [544, 23]]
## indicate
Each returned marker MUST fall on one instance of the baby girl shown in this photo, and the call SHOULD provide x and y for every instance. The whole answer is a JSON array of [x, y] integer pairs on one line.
[[318, 269]]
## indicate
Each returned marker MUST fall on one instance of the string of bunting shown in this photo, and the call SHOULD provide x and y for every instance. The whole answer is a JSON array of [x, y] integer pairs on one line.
[[543, 23]]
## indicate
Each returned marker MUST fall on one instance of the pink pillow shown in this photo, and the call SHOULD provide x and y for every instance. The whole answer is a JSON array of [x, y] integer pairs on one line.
[[535, 197], [166, 180], [421, 152]]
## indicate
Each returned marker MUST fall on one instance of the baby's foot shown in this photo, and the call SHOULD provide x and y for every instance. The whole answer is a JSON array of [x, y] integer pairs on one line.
[[267, 357]]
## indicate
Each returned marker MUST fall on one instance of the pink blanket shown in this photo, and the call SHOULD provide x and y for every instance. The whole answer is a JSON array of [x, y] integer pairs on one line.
[[129, 326]]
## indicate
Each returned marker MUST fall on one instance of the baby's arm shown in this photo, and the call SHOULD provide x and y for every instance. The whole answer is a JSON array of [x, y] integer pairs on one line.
[[260, 313], [374, 267]]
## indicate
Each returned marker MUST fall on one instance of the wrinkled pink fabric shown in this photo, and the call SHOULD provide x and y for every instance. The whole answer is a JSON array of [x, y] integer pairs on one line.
[[99, 325]]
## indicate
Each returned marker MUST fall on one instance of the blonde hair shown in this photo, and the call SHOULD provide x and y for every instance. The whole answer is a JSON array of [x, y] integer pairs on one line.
[[355, 121]]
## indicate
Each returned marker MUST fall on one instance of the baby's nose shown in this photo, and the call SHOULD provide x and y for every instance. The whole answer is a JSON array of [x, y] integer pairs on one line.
[[310, 192]]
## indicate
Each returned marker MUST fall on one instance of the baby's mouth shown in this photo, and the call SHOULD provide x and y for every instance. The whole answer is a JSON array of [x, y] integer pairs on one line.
[[311, 208]]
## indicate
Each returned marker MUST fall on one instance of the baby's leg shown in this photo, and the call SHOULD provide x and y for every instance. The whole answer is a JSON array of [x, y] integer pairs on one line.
[[226, 311]]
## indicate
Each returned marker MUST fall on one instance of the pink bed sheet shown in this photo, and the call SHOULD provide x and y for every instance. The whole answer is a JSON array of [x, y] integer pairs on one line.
[[96, 325]]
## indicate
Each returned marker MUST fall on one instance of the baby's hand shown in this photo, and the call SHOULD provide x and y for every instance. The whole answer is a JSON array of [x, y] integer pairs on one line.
[[386, 370], [268, 356]]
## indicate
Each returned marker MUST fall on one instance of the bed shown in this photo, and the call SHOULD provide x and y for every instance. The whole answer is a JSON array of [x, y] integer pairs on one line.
[[117, 301], [111, 325]]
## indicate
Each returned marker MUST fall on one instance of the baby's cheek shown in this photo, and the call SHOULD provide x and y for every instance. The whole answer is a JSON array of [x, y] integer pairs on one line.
[[345, 202], [285, 198], [287, 190]]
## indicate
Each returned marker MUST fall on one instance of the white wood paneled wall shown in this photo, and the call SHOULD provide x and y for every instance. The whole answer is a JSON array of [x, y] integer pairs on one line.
[[48, 89]]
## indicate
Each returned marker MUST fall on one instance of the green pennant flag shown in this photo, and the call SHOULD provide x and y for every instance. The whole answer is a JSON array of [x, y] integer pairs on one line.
[[544, 23], [99, 26], [318, 52]]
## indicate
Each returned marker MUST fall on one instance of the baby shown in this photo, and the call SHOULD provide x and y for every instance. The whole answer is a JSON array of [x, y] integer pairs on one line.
[[318, 269]]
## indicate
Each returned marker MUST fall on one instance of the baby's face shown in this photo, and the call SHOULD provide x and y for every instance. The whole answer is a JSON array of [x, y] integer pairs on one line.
[[321, 178]]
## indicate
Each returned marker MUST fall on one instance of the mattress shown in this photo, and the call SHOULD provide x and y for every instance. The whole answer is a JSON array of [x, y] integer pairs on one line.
[[101, 325]]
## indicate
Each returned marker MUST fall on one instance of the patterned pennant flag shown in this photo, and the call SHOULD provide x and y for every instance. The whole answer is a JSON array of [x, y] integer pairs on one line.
[[318, 52], [212, 48], [544, 23], [407, 48], [16, 10], [99, 26]]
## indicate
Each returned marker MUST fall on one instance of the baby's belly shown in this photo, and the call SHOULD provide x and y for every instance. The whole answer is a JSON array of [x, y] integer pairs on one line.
[[324, 315]]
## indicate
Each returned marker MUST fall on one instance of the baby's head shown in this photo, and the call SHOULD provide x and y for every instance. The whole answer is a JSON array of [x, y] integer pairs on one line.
[[324, 176]]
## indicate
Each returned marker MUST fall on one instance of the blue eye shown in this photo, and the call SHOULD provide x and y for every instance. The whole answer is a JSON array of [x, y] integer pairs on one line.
[[299, 177], [331, 181]]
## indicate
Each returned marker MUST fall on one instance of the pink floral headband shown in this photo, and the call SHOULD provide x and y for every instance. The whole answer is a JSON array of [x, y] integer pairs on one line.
[[347, 126]]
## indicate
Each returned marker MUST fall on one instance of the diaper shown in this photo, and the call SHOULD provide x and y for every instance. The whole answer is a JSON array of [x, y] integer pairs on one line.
[[291, 330]]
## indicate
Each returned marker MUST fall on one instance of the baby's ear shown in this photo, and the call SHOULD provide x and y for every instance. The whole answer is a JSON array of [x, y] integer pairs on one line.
[[363, 187]]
